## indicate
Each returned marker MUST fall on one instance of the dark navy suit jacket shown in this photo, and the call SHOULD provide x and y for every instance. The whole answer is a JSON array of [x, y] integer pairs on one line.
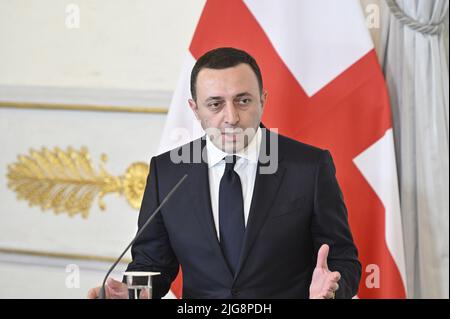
[[293, 212]]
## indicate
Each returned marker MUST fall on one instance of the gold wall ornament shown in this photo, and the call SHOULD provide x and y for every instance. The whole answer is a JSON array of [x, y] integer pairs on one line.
[[66, 181]]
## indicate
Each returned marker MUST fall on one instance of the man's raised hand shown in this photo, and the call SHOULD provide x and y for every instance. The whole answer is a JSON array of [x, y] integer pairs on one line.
[[324, 282]]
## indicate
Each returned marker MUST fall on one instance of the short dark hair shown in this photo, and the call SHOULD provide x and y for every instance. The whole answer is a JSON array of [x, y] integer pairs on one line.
[[222, 58]]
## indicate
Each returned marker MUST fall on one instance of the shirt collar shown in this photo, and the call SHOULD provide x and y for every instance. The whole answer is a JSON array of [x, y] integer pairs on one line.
[[250, 153]]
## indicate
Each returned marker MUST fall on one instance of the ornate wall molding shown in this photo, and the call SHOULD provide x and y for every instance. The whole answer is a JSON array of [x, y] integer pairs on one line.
[[84, 99]]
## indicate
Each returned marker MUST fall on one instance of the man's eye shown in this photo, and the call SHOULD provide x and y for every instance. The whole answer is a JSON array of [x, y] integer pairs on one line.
[[214, 105], [244, 101]]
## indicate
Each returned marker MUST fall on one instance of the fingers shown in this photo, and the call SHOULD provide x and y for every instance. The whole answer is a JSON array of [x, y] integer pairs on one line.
[[334, 286], [330, 292], [322, 256], [329, 295], [93, 293], [113, 290], [145, 294], [116, 289], [335, 276], [331, 286], [115, 284]]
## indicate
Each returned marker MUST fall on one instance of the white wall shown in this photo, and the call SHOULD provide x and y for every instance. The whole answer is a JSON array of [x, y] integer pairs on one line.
[[56, 278], [122, 44]]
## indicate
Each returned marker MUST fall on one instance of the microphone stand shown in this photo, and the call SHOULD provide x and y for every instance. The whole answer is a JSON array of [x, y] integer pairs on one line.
[[102, 293]]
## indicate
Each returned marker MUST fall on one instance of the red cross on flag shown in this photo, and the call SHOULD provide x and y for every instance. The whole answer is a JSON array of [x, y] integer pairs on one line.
[[325, 88]]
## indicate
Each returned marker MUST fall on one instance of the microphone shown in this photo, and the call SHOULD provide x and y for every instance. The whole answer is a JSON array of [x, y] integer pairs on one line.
[[102, 294]]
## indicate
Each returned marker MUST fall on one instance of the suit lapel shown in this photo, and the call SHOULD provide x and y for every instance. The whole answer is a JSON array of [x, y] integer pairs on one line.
[[264, 193]]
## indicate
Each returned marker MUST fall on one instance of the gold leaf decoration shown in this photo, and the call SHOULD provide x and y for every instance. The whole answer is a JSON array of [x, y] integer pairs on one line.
[[66, 181]]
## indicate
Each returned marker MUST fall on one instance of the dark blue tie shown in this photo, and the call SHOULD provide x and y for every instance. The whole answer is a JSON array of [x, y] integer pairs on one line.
[[231, 214]]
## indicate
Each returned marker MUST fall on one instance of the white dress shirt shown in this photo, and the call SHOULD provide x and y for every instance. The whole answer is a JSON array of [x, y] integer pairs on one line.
[[245, 167]]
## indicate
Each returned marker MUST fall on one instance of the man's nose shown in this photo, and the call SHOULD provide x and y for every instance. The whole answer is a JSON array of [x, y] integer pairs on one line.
[[231, 114]]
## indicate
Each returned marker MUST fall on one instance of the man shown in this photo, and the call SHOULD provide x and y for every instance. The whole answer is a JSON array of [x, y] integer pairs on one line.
[[254, 219]]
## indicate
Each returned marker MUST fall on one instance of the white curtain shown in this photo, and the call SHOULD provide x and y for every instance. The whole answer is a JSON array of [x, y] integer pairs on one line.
[[414, 57]]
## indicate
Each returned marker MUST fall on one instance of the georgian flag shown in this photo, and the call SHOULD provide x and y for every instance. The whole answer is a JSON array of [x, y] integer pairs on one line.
[[325, 88]]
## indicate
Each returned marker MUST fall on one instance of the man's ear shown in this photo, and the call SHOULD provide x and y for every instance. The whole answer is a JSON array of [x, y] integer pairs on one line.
[[263, 99], [194, 108]]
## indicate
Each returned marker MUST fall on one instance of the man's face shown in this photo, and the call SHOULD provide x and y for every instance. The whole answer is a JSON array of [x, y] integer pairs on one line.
[[229, 105]]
